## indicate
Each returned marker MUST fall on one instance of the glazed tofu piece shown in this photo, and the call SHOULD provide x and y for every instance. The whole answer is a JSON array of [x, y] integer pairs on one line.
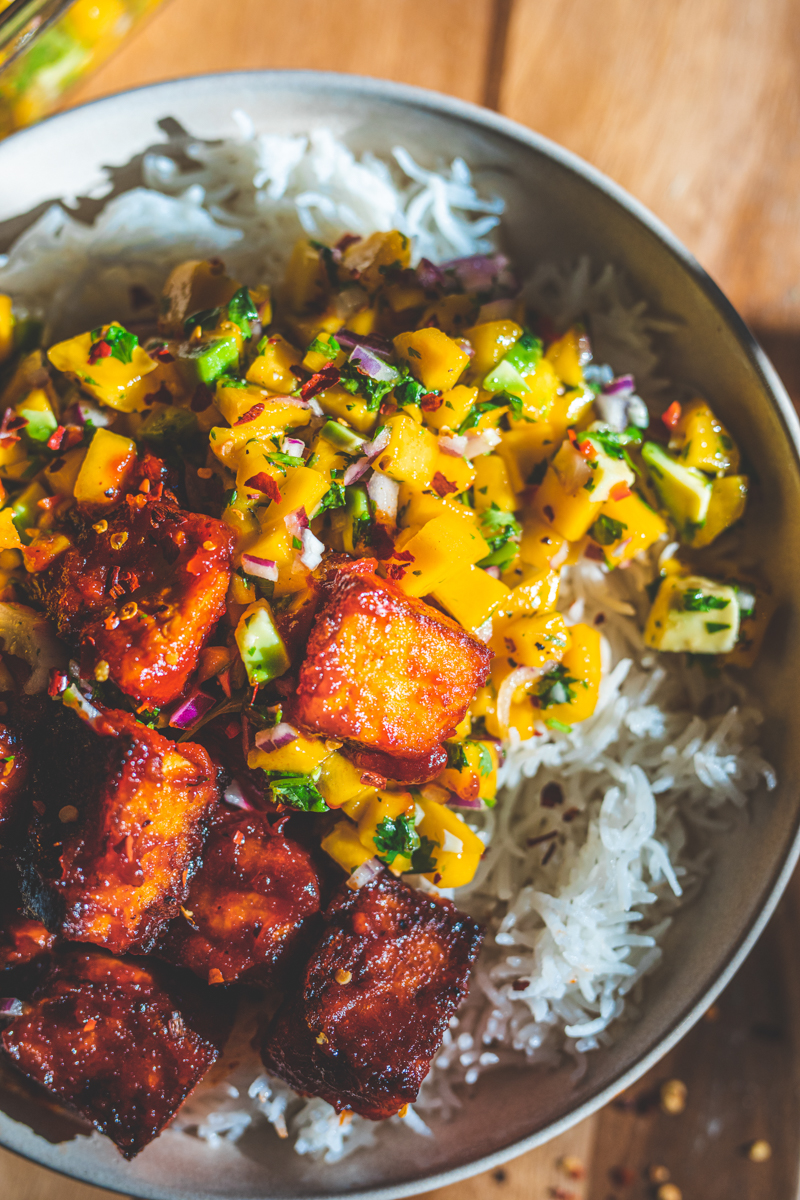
[[386, 671], [140, 593], [13, 777], [250, 906], [119, 815], [370, 1011], [23, 939], [121, 1042]]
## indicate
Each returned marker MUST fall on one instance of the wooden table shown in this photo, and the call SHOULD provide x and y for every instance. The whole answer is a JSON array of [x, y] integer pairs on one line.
[[694, 106]]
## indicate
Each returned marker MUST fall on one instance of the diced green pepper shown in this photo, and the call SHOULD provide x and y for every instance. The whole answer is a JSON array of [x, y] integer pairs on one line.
[[355, 535]]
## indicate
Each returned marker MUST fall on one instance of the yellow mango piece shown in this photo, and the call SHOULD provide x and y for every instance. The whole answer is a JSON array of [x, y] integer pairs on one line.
[[536, 591], [541, 546], [544, 387], [567, 358], [234, 402], [523, 449], [301, 757], [568, 512], [572, 409], [726, 506], [336, 402], [272, 369], [363, 322], [345, 847], [492, 485], [412, 455], [105, 469], [254, 462], [107, 379], [317, 358], [452, 313], [9, 537], [43, 551], [340, 783], [305, 284], [433, 358], [693, 614], [491, 340], [476, 779], [582, 663], [641, 527], [453, 475], [304, 329], [6, 328], [529, 640], [166, 376], [701, 440], [454, 407], [436, 550], [471, 596], [61, 474], [325, 459], [401, 297], [372, 256], [416, 507], [302, 488], [458, 850], [386, 806], [275, 418]]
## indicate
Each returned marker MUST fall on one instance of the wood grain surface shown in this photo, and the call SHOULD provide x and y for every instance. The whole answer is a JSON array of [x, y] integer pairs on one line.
[[694, 106]]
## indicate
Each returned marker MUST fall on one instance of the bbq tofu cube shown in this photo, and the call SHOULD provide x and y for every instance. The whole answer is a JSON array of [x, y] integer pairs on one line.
[[249, 906], [386, 671], [122, 1043], [141, 592], [118, 822], [375, 1000], [23, 939]]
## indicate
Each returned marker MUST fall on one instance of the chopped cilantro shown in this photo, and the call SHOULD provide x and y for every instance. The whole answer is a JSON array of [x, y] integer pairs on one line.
[[557, 687], [552, 723], [500, 400], [696, 600], [423, 861], [357, 382], [242, 311], [485, 763], [326, 350], [149, 717], [605, 531], [396, 836], [456, 756], [122, 342], [412, 353], [409, 391], [206, 318], [499, 527], [296, 543], [333, 498], [298, 791], [282, 461], [715, 627]]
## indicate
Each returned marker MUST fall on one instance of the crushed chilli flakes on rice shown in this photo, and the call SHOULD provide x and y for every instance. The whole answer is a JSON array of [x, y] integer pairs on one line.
[[577, 896]]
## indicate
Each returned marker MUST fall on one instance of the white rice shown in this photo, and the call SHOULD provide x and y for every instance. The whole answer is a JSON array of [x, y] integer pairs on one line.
[[645, 780]]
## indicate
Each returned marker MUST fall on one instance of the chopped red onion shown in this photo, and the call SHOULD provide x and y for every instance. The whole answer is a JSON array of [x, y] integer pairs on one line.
[[429, 275], [11, 1007], [383, 493], [277, 737], [613, 410], [377, 368], [482, 443], [235, 797], [466, 345], [456, 801], [355, 471], [313, 550], [622, 385], [374, 342], [293, 446], [296, 521], [188, 711], [261, 568], [347, 302], [368, 871], [454, 445], [575, 470], [478, 272], [494, 571], [518, 677], [496, 310], [379, 442]]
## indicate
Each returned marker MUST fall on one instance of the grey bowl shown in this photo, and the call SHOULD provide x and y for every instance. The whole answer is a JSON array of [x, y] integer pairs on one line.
[[557, 207]]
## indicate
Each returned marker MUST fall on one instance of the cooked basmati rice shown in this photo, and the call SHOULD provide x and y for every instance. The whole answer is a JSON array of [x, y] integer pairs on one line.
[[571, 931]]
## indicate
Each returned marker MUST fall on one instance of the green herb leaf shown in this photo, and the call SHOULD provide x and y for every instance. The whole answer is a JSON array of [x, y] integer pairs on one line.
[[500, 400], [396, 836], [456, 756], [605, 531], [485, 763], [327, 350], [715, 627], [149, 717], [122, 342], [242, 311], [696, 600], [423, 861], [333, 498], [556, 687], [298, 791], [499, 527], [552, 723], [357, 383]]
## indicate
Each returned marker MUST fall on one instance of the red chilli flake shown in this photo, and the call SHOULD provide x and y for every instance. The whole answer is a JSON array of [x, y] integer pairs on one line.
[[620, 491], [571, 814], [346, 240], [250, 415], [442, 486], [672, 415], [56, 438], [58, 681], [372, 779], [587, 449], [594, 552], [100, 349], [326, 378], [262, 482], [395, 571], [430, 402]]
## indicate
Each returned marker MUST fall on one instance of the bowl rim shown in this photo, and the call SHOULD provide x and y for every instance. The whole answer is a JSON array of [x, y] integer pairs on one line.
[[467, 112]]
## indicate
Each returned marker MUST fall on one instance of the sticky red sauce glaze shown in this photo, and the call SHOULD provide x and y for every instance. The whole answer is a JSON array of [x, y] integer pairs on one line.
[[386, 671], [13, 777], [23, 939], [123, 1043], [119, 816], [247, 914], [402, 770], [144, 595], [367, 1043]]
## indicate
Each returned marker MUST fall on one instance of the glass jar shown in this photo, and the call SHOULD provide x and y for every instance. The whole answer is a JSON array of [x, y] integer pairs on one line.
[[47, 46]]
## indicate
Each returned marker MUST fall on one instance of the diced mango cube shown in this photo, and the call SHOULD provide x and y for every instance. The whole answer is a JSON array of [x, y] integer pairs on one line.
[[490, 340], [471, 596], [458, 850], [345, 847], [567, 358], [105, 376], [700, 440], [412, 455], [434, 552], [453, 409], [105, 469], [433, 357], [272, 369], [6, 328], [625, 528], [579, 678], [725, 506]]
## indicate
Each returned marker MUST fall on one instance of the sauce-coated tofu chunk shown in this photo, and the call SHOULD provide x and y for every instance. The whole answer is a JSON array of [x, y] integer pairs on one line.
[[23, 939], [387, 671], [372, 1007], [119, 818], [142, 595], [122, 1043], [248, 909]]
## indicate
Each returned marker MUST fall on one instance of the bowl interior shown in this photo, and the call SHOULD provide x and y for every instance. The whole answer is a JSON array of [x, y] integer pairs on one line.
[[556, 209]]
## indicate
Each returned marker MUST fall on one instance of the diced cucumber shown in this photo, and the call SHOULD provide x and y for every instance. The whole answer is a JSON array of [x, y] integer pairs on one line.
[[165, 423], [505, 378], [260, 644], [525, 353], [41, 421], [355, 535], [685, 492], [343, 437], [204, 362]]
